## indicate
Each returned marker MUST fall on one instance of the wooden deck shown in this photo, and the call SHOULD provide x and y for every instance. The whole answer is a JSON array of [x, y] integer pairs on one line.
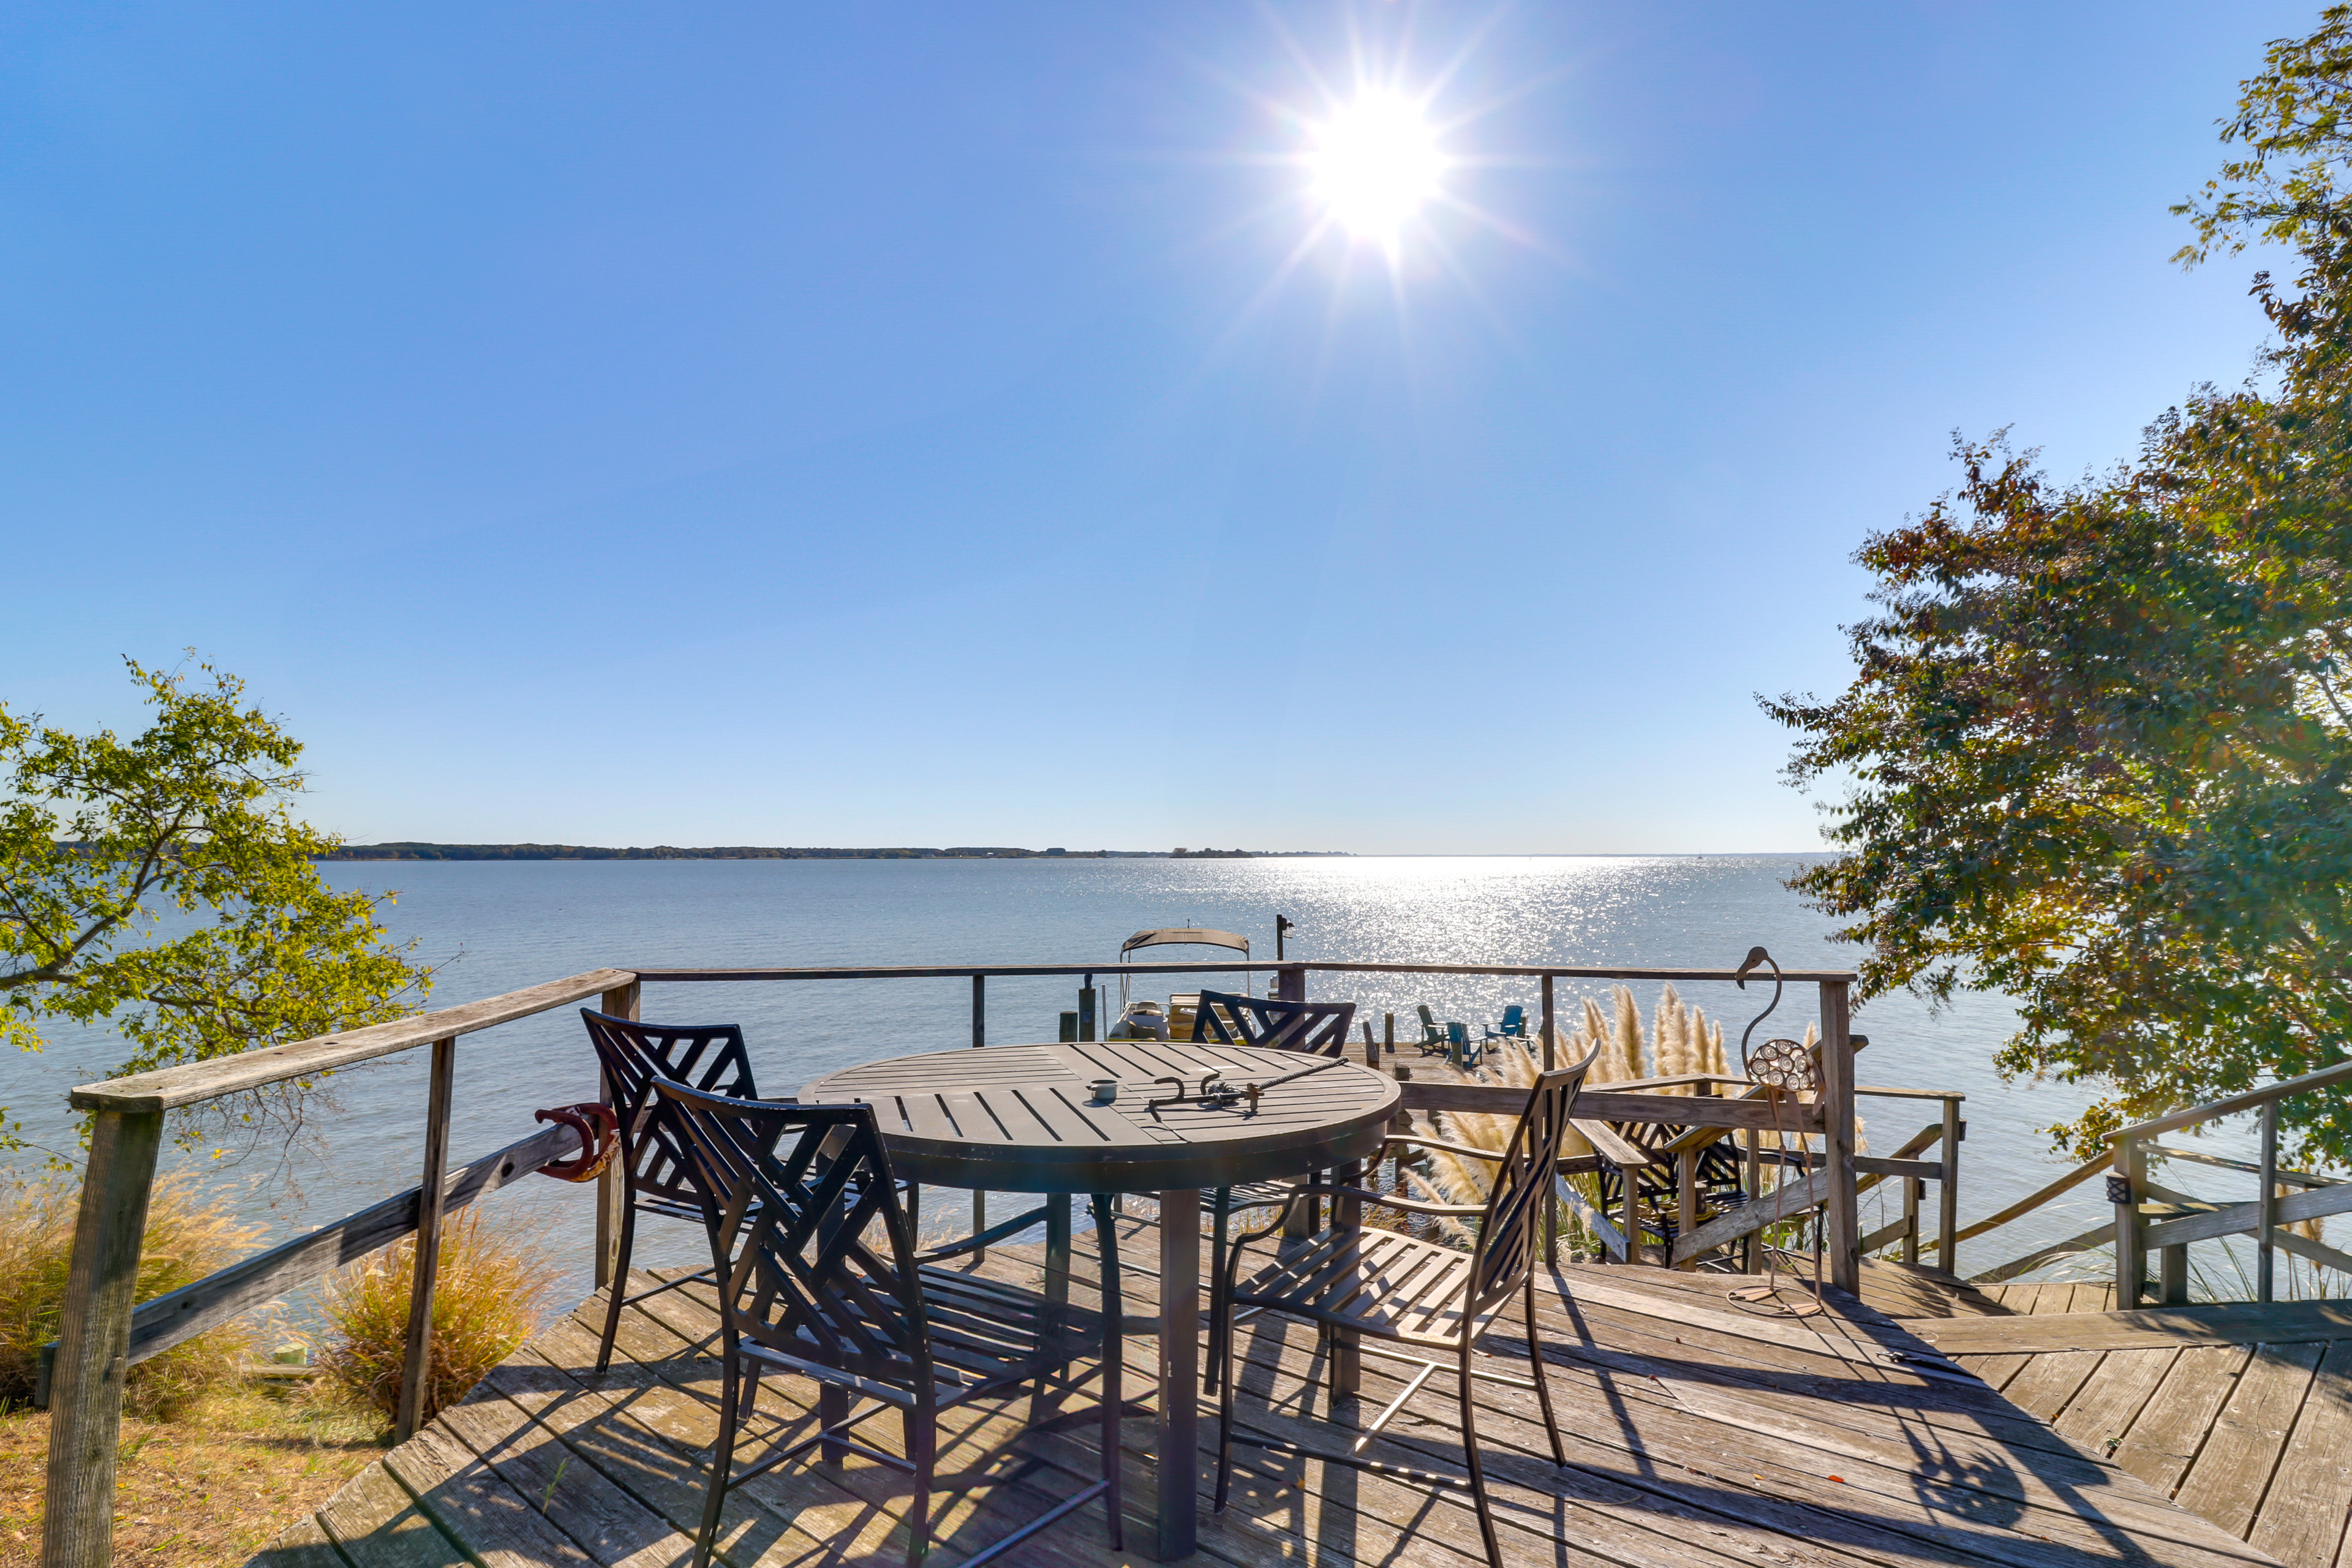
[[1701, 1436]]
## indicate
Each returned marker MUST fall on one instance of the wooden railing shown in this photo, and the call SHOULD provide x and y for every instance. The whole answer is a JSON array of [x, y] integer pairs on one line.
[[102, 1333], [2151, 1219], [2155, 1219]]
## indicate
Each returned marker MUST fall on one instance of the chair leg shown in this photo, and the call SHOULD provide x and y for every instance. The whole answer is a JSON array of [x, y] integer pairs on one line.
[[620, 1285], [1114, 1354], [1543, 1384], [723, 1462], [832, 1410], [1477, 1470], [923, 1440], [1221, 1322], [1221, 1211]]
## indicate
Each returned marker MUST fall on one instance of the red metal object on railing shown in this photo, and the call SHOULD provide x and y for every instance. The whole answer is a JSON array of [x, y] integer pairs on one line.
[[599, 1136]]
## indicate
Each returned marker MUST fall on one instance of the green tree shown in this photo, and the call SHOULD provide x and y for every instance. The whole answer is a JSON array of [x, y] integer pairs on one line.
[[161, 885], [2098, 754]]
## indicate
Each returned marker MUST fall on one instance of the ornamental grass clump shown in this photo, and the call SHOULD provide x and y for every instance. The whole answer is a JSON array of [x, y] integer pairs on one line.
[[488, 1291], [188, 1236]]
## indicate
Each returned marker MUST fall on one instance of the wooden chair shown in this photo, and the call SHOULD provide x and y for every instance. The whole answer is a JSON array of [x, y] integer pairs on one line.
[[1392, 1287], [808, 1288], [656, 1169], [1315, 1028]]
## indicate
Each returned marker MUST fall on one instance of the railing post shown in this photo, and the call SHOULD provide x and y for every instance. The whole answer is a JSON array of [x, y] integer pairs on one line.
[[1842, 1208], [1911, 1185], [2124, 1189], [1087, 1009], [1751, 1245], [978, 1042], [1552, 1192], [94, 1340], [611, 1187], [416, 1366], [1290, 983], [1948, 1192], [2267, 1221]]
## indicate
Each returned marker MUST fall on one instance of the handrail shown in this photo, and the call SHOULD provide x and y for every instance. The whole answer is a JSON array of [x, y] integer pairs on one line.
[[2324, 1078], [170, 1089], [1512, 971]]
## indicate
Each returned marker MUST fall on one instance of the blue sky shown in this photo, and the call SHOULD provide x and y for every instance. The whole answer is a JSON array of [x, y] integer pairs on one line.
[[924, 425]]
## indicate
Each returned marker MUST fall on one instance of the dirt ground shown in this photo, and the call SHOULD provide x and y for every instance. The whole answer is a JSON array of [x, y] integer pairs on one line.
[[212, 1488]]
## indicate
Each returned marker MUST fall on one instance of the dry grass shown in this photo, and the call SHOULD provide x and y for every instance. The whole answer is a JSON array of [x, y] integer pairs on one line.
[[206, 1490], [490, 1288], [188, 1236]]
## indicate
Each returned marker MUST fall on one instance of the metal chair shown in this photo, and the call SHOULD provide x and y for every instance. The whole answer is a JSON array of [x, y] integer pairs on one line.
[[1315, 1028], [809, 1289], [1392, 1287], [655, 1168]]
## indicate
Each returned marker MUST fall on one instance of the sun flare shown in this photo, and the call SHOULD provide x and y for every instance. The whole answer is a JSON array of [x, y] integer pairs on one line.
[[1375, 161]]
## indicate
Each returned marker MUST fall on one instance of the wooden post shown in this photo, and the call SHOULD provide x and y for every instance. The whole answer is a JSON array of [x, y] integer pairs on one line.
[[1685, 1205], [1632, 1216], [416, 1366], [1948, 1192], [1290, 984], [1087, 1009], [2267, 1221], [2124, 1190], [2172, 1274], [613, 1187], [94, 1340], [978, 1042], [1841, 1209], [1911, 1190]]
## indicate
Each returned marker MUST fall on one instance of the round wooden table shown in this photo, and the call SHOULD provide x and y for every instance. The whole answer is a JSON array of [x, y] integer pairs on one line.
[[1023, 1119]]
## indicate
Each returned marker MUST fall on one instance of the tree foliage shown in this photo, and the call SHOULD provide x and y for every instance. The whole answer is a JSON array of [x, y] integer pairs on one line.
[[2099, 743], [163, 885]]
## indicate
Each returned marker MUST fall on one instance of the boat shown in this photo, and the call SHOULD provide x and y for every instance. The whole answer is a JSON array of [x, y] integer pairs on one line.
[[1142, 1018]]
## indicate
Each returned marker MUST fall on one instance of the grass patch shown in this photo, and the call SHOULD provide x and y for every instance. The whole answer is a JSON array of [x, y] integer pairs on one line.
[[213, 1485], [491, 1286], [188, 1236]]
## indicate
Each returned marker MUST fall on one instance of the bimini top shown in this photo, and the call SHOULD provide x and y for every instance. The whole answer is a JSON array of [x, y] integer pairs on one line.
[[1184, 934]]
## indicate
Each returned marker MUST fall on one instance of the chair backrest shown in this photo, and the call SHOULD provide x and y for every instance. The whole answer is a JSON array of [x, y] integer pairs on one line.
[[635, 1055], [792, 1195], [1510, 1230], [1319, 1029], [1428, 1019], [1515, 1019]]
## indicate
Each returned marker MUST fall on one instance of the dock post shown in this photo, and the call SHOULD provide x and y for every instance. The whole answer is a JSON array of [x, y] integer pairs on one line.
[[1841, 1209], [94, 1340], [611, 1186], [1087, 1009]]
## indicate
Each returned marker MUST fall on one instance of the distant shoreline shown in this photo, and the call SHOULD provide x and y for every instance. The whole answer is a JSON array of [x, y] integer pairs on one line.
[[415, 851]]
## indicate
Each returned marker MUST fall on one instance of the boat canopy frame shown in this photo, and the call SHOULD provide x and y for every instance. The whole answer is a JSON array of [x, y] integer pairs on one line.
[[1176, 936]]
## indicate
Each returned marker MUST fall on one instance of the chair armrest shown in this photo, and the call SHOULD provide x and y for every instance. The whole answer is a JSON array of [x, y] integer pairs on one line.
[[1487, 1154], [1390, 1200], [1611, 1144]]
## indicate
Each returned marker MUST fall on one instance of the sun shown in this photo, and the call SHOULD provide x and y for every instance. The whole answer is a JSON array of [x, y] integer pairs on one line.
[[1374, 162]]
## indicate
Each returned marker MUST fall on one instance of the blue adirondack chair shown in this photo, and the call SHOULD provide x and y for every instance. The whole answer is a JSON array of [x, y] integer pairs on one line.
[[1514, 1024]]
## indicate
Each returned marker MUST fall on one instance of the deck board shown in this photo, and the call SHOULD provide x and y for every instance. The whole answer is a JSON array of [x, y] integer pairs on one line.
[[1700, 1435]]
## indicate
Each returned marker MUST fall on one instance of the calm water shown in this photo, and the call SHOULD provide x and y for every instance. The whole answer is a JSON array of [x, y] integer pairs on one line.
[[498, 927]]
